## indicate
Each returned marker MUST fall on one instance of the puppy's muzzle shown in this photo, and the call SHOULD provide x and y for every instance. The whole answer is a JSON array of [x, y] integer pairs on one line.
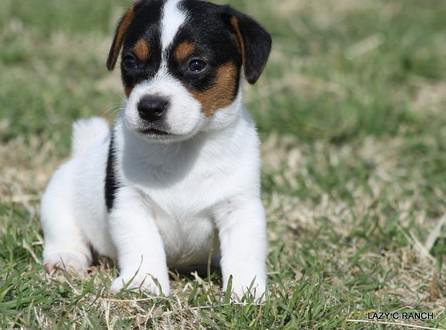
[[152, 108]]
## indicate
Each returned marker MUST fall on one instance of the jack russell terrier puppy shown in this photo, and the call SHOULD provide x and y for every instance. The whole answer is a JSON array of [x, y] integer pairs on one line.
[[181, 162]]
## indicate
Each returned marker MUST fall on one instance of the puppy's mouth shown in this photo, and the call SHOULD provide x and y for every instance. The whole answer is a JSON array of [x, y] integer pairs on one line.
[[153, 131]]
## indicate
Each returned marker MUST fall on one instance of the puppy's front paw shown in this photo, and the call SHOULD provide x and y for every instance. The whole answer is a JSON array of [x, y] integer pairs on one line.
[[151, 284], [67, 262], [255, 289]]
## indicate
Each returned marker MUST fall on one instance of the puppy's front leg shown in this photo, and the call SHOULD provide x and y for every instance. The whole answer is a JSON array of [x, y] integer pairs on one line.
[[242, 233], [141, 255]]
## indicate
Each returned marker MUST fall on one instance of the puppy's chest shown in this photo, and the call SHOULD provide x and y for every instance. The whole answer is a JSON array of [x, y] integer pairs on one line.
[[193, 195], [183, 213], [186, 182]]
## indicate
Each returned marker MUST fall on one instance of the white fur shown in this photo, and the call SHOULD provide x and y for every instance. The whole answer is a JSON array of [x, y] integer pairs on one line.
[[174, 196], [184, 117], [84, 136], [171, 22]]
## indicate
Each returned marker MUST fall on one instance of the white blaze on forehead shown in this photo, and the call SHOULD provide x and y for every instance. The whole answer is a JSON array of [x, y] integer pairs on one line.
[[171, 21]]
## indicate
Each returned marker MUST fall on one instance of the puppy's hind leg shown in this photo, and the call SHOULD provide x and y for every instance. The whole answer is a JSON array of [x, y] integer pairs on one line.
[[65, 248]]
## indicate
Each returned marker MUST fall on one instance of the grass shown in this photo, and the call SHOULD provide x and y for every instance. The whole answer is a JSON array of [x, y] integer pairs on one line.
[[350, 111]]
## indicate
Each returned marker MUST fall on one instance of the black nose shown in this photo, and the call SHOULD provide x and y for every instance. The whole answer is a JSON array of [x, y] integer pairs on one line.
[[152, 108]]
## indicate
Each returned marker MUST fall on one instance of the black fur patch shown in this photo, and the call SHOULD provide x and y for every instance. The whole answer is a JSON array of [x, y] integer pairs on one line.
[[145, 25], [255, 42], [213, 41], [208, 27], [111, 182]]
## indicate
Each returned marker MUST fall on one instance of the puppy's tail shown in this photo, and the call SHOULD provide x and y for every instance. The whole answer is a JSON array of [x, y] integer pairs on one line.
[[87, 132]]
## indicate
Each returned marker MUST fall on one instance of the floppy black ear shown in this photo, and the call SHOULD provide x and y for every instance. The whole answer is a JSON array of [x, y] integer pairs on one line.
[[253, 40], [120, 33]]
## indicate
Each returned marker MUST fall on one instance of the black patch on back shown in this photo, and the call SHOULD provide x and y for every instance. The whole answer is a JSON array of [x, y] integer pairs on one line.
[[212, 40], [145, 25], [111, 182]]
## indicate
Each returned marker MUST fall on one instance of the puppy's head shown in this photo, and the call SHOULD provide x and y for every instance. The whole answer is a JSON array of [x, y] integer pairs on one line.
[[181, 64]]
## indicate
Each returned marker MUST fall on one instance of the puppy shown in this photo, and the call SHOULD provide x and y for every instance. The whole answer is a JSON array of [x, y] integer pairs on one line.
[[176, 181]]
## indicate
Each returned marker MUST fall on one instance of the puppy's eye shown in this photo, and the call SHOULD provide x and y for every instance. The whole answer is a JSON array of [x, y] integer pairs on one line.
[[129, 62], [197, 65]]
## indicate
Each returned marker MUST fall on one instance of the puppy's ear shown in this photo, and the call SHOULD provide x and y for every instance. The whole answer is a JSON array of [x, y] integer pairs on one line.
[[120, 33], [254, 42]]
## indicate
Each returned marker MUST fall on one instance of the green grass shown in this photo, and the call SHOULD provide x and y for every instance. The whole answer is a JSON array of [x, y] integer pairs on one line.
[[351, 114]]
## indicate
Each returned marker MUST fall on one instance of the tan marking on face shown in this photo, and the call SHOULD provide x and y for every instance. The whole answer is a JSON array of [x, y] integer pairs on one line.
[[183, 51], [240, 42], [128, 90], [142, 50], [221, 94], [121, 30]]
